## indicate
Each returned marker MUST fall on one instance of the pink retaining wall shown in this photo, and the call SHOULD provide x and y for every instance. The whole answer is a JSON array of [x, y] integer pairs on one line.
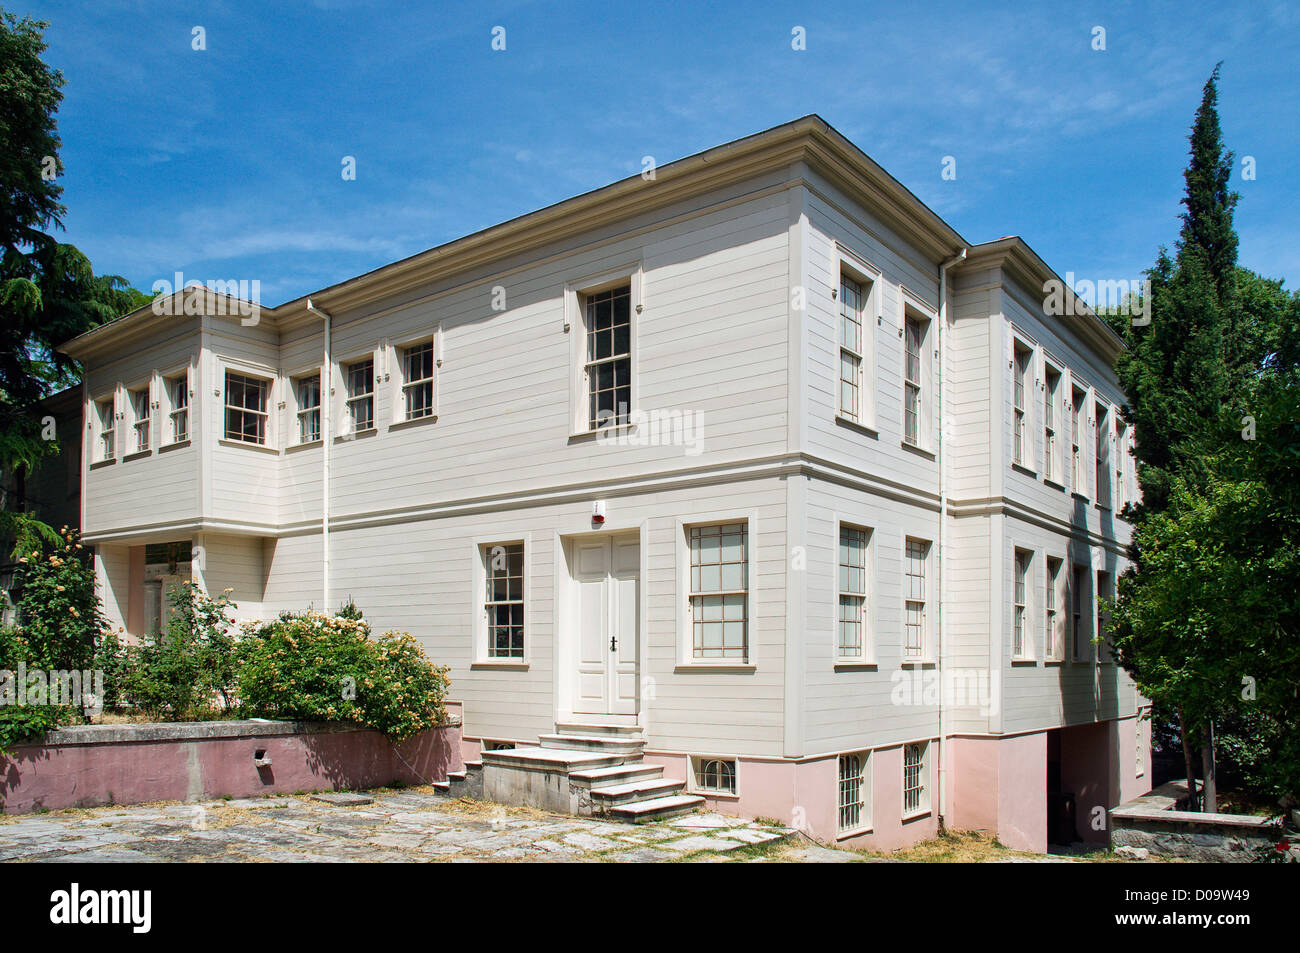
[[999, 785], [132, 764]]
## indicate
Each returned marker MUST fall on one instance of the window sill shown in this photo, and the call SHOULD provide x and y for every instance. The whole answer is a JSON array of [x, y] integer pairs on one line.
[[854, 665], [178, 445], [493, 664], [414, 422], [1080, 497], [1025, 662], [1081, 661], [916, 815], [622, 430], [305, 445], [345, 437], [138, 455], [855, 832], [1052, 483], [917, 663], [1103, 507], [857, 426], [715, 795], [721, 668], [245, 445], [917, 449], [1053, 661], [1024, 469], [103, 463]]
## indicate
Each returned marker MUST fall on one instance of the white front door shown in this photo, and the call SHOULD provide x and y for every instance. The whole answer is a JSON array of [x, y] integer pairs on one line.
[[608, 577]]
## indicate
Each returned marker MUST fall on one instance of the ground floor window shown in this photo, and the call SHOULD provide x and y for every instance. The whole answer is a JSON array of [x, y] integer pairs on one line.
[[715, 775], [853, 791], [915, 791], [503, 602]]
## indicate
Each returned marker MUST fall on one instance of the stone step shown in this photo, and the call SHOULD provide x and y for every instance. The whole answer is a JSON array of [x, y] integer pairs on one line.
[[658, 808], [634, 791], [619, 774], [628, 747], [583, 728], [553, 760]]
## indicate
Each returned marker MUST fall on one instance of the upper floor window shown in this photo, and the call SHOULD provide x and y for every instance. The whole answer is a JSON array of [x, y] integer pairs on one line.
[[1078, 478], [1104, 591], [1078, 634], [918, 557], [1121, 465], [307, 394], [1022, 380], [718, 591], [852, 642], [417, 387], [140, 418], [914, 401], [106, 417], [1021, 641], [504, 600], [608, 363], [1102, 456], [852, 299], [1053, 642], [1051, 414], [178, 400], [246, 413], [360, 382]]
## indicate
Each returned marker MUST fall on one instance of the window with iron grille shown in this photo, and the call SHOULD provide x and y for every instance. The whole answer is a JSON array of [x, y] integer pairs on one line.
[[1051, 400], [1102, 457], [178, 398], [608, 367], [853, 813], [140, 418], [307, 391], [504, 600], [1020, 372], [719, 593], [360, 382], [1020, 640], [1053, 646], [853, 591], [417, 368], [918, 552], [852, 298], [715, 776], [246, 414], [912, 393], [106, 411], [915, 794]]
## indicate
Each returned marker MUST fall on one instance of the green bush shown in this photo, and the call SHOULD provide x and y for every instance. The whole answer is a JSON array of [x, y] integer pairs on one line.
[[314, 667]]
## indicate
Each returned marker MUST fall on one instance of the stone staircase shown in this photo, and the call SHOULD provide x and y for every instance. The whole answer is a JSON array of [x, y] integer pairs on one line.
[[589, 770]]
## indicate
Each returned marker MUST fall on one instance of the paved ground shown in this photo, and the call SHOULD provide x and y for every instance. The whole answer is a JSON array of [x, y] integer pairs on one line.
[[415, 824]]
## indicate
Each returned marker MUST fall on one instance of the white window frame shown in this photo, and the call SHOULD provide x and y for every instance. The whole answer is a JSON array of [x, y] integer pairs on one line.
[[480, 551], [730, 596], [491, 555], [922, 776], [1102, 419], [1022, 604], [576, 291], [351, 400], [1052, 443], [1080, 613], [847, 265], [177, 385], [409, 383], [141, 426], [866, 610], [1120, 464], [105, 449], [685, 618], [908, 591], [913, 310], [302, 411], [267, 385], [1100, 618], [1055, 610], [864, 799], [699, 763], [1079, 439], [1022, 415]]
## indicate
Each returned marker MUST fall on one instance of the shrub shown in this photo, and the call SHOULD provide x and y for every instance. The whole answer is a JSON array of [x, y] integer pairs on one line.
[[313, 667]]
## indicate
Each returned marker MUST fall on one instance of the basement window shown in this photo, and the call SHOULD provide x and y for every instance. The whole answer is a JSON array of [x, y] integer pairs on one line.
[[714, 775]]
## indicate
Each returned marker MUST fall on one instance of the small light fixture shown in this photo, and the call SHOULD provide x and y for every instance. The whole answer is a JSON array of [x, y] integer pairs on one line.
[[598, 512]]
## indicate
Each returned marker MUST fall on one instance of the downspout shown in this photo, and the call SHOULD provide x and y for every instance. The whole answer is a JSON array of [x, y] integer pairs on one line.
[[326, 438], [944, 754]]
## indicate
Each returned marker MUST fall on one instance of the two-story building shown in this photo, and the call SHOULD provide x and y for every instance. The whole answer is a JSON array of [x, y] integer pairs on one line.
[[756, 464]]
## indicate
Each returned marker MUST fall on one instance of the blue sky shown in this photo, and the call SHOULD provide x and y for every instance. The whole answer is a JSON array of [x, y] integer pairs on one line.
[[225, 163]]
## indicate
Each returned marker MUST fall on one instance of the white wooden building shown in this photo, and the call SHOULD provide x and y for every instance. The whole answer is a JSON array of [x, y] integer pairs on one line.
[[757, 467]]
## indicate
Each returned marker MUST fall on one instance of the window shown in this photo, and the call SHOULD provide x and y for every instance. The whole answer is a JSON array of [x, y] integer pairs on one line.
[[1051, 401], [918, 554], [718, 591], [140, 418], [1077, 483], [1021, 360], [853, 791], [1053, 645], [1021, 642], [715, 775], [608, 367], [853, 592], [1102, 458], [417, 370], [1121, 465], [1078, 636], [246, 414], [504, 600], [307, 393], [178, 398], [913, 398], [360, 384], [1103, 618], [916, 796], [106, 415], [852, 299]]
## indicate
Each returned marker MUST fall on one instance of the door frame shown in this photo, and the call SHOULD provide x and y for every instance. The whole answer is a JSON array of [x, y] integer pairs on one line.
[[566, 627]]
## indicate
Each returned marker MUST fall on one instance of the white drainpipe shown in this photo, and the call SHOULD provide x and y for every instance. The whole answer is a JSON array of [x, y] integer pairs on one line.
[[326, 438], [943, 535]]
